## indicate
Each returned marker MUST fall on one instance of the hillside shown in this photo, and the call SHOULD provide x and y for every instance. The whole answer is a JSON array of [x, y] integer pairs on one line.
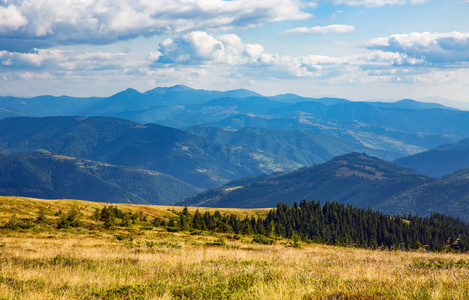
[[439, 161], [448, 195], [48, 176], [305, 148], [143, 260], [354, 178], [392, 144], [190, 158]]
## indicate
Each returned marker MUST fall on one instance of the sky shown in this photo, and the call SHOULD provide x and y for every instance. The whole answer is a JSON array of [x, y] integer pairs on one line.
[[354, 49]]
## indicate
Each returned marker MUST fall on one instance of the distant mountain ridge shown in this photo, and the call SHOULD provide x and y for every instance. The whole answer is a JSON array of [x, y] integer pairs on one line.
[[396, 129]]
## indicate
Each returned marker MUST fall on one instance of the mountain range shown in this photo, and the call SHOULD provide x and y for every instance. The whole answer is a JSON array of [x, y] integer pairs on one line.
[[263, 150], [180, 154], [393, 129]]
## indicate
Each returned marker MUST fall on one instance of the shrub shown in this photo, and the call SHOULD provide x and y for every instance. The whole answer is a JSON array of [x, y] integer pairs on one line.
[[261, 239]]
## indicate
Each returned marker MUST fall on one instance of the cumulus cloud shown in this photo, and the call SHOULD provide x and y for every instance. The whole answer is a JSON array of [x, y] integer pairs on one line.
[[27, 24], [200, 48], [11, 19], [375, 3], [203, 49], [434, 48], [336, 28]]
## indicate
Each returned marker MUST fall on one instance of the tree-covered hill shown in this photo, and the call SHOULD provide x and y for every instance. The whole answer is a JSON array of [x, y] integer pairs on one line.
[[354, 178], [180, 154], [42, 175], [448, 195], [439, 161]]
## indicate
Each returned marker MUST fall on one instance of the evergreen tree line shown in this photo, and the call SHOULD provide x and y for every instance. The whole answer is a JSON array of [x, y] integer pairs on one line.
[[340, 224]]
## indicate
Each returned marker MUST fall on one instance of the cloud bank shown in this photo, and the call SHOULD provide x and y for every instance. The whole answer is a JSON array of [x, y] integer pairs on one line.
[[404, 55], [28, 24], [434, 48]]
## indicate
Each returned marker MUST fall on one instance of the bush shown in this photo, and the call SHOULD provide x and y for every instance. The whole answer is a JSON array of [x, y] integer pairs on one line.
[[220, 241], [261, 239]]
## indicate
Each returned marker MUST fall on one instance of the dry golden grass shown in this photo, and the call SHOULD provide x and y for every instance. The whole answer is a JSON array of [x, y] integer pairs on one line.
[[29, 207], [133, 263]]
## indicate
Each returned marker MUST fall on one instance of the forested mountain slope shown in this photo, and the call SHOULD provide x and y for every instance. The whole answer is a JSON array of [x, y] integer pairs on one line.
[[354, 178], [153, 147], [439, 161], [42, 175]]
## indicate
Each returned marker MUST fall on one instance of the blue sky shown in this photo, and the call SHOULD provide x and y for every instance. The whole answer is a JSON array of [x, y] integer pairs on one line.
[[355, 49]]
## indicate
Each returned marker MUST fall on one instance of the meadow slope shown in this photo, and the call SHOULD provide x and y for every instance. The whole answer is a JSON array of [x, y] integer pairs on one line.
[[145, 262]]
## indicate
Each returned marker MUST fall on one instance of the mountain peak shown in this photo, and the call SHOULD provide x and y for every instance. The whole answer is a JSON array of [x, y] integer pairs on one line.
[[129, 91], [180, 87], [174, 88]]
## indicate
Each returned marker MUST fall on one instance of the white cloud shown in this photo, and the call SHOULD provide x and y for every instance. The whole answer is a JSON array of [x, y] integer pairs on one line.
[[40, 24], [11, 19], [202, 49], [337, 28], [435, 48], [199, 47], [199, 59], [69, 62], [375, 3]]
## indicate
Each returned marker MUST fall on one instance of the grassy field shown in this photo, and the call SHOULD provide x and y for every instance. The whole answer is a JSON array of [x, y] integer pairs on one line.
[[144, 262]]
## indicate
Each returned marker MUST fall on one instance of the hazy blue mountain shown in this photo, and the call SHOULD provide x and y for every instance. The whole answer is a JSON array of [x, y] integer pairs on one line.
[[183, 95], [292, 98], [180, 154], [398, 131], [356, 179], [48, 176], [391, 130], [128, 100], [6, 113], [410, 104], [380, 145], [440, 160], [178, 106], [305, 148], [428, 121], [132, 101], [179, 116], [231, 106]]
